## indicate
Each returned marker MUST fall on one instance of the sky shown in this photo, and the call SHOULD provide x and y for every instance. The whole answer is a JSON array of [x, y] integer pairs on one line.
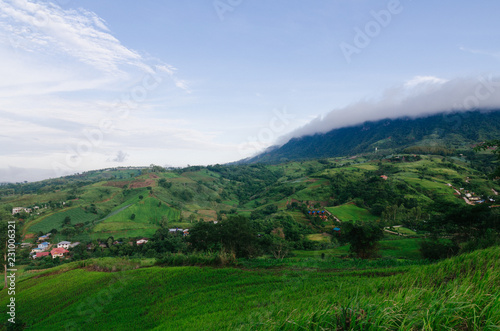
[[98, 84]]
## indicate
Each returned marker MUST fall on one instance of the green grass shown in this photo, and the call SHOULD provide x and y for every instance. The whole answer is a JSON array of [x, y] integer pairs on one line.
[[400, 248], [350, 211], [148, 213], [54, 221], [458, 294], [318, 237]]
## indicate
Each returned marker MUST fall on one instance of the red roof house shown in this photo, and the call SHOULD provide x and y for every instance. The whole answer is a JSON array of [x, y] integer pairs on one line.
[[41, 254], [58, 252]]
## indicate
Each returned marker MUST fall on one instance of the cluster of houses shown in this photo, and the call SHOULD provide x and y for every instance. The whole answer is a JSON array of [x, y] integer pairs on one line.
[[184, 232], [319, 213], [45, 248], [17, 210], [470, 197]]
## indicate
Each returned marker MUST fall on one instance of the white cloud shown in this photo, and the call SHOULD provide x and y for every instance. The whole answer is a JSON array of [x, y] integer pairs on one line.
[[62, 74], [420, 96], [45, 27], [418, 80]]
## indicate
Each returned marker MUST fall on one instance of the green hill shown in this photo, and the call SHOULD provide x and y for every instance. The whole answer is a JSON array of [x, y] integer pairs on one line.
[[444, 134], [459, 293], [181, 197]]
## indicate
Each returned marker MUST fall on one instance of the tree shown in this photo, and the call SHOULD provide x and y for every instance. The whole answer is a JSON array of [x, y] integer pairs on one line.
[[66, 221], [233, 235], [491, 144], [363, 237]]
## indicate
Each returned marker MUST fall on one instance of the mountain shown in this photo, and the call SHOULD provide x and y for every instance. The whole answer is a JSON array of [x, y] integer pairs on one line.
[[445, 133]]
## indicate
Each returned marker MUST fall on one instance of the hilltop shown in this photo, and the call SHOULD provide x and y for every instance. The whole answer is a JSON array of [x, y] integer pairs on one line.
[[444, 134]]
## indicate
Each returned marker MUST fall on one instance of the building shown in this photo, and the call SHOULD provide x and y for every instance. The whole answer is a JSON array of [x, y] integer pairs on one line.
[[64, 244], [17, 210], [58, 252], [44, 237], [142, 241], [41, 254]]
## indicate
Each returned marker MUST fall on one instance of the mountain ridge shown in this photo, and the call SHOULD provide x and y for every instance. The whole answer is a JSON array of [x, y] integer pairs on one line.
[[447, 131]]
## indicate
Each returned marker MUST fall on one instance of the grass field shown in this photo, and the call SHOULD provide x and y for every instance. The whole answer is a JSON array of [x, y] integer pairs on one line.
[[457, 294], [77, 215], [350, 211], [148, 214]]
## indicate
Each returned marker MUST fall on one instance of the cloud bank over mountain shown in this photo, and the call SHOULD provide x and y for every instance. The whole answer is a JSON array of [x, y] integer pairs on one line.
[[418, 97]]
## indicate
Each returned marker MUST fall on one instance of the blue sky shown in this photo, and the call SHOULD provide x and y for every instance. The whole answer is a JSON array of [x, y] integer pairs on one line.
[[98, 84]]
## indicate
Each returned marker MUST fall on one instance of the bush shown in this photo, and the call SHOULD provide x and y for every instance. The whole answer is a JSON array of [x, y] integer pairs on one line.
[[436, 249]]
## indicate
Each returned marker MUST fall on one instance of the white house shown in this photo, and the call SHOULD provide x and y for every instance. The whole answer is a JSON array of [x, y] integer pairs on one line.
[[64, 244], [16, 210], [142, 241]]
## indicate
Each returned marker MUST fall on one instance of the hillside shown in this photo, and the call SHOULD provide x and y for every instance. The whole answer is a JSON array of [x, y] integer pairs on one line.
[[444, 134], [143, 202], [460, 293]]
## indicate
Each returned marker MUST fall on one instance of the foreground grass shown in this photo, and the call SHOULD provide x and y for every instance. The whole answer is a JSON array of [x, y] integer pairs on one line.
[[462, 293]]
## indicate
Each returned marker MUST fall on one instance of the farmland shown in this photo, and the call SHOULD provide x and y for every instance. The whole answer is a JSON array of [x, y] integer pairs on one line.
[[55, 221], [139, 219], [351, 212]]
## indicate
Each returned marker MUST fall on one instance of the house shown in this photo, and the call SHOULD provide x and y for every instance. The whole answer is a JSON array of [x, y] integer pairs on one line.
[[142, 241], [41, 254], [186, 232], [64, 244], [25, 245], [384, 177], [17, 210], [58, 252], [36, 250], [44, 245], [44, 237]]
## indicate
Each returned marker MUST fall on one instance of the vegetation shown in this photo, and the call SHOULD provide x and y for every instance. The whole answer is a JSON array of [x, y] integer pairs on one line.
[[460, 293], [263, 232]]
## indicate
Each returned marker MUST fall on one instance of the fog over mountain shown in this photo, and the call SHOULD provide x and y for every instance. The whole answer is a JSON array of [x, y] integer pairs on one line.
[[421, 96]]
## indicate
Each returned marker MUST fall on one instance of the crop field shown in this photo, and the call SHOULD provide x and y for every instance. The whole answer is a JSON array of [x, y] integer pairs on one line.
[[319, 237], [350, 211], [33, 199], [54, 221], [147, 212], [460, 293], [317, 190], [366, 166]]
